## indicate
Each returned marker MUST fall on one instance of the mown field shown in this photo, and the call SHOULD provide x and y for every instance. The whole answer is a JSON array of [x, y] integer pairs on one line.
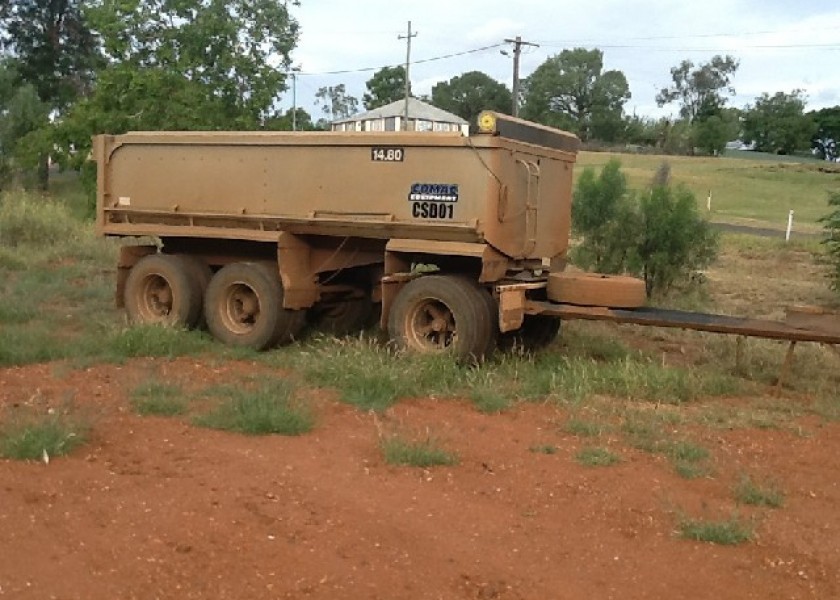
[[758, 192]]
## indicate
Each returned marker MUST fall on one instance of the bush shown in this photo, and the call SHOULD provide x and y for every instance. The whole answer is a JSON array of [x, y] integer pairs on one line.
[[831, 224], [658, 235]]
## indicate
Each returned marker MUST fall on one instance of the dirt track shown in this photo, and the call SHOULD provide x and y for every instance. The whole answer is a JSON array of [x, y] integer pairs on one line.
[[157, 508]]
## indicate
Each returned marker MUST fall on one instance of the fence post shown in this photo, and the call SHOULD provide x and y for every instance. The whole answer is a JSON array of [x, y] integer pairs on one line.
[[789, 226]]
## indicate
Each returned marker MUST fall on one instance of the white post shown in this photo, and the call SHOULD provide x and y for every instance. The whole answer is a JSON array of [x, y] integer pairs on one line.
[[709, 202], [790, 226]]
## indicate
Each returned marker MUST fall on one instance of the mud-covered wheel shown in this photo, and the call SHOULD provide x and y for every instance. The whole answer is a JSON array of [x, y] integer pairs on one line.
[[341, 317], [443, 313], [537, 331], [244, 307], [161, 289], [201, 274]]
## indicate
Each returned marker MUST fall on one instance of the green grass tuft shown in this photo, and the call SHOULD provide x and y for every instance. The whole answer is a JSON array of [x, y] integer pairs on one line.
[[543, 449], [269, 409], [596, 457], [750, 492], [728, 533], [29, 439], [159, 399], [583, 428], [424, 453], [156, 340]]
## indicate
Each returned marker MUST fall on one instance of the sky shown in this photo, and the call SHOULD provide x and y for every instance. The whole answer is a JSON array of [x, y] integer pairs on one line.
[[781, 45]]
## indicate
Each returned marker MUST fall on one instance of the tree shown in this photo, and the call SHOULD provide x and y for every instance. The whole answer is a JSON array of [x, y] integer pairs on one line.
[[182, 64], [828, 122], [55, 55], [713, 127], [335, 102], [657, 234], [778, 123], [697, 89], [468, 94], [53, 47], [387, 85], [22, 114], [570, 90]]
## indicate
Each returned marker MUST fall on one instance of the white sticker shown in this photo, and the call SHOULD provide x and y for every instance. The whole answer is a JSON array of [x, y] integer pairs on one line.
[[124, 201]]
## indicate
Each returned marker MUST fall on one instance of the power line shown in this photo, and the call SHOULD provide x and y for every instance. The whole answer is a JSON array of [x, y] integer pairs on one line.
[[416, 62], [700, 49]]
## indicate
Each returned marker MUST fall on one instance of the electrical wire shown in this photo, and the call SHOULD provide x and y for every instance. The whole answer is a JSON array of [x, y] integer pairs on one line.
[[415, 62]]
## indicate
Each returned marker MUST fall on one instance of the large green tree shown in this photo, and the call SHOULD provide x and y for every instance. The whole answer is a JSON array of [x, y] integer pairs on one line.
[[53, 55], [698, 88], [53, 47], [468, 94], [778, 123], [828, 122], [571, 90], [387, 85], [183, 64]]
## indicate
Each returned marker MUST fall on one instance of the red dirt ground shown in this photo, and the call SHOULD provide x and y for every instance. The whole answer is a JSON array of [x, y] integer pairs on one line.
[[157, 508]]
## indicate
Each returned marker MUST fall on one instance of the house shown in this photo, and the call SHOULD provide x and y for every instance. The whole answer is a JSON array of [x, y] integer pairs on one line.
[[421, 117]]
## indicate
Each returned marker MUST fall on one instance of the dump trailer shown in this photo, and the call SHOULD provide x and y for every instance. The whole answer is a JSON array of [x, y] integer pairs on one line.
[[457, 243], [258, 233]]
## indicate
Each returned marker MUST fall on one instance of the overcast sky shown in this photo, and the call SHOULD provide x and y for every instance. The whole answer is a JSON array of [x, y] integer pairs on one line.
[[781, 45]]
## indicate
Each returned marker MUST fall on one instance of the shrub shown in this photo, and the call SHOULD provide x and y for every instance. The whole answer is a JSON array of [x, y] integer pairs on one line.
[[831, 225], [658, 235]]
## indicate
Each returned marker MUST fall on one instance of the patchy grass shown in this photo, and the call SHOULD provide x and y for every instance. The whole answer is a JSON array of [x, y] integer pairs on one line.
[[32, 438], [543, 449], [583, 428], [728, 532], [596, 457], [689, 459], [749, 491], [269, 408], [424, 453], [159, 399]]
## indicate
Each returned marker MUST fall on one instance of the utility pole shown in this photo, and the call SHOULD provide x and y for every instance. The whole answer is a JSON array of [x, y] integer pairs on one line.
[[293, 72], [407, 39], [517, 52]]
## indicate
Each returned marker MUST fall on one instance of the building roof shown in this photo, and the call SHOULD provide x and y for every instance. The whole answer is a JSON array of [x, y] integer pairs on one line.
[[416, 110]]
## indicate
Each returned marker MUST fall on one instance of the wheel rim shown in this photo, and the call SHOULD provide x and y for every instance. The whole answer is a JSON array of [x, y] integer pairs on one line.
[[240, 308], [156, 299], [431, 326]]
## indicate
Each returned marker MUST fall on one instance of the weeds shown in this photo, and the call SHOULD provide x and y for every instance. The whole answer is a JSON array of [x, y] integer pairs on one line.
[[751, 492], [424, 453], [160, 399], [596, 457], [583, 428], [34, 438], [269, 409], [543, 449], [730, 532]]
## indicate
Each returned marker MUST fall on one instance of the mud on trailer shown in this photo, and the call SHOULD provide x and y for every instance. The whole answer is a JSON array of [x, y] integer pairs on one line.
[[458, 242]]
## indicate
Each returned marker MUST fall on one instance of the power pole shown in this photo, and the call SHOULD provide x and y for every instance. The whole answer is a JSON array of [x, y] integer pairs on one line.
[[517, 52], [293, 72], [407, 39]]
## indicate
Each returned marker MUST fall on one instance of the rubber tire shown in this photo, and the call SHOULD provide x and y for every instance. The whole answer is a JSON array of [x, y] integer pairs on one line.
[[173, 272], [594, 289], [342, 317], [202, 274], [537, 332], [475, 329], [272, 324]]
